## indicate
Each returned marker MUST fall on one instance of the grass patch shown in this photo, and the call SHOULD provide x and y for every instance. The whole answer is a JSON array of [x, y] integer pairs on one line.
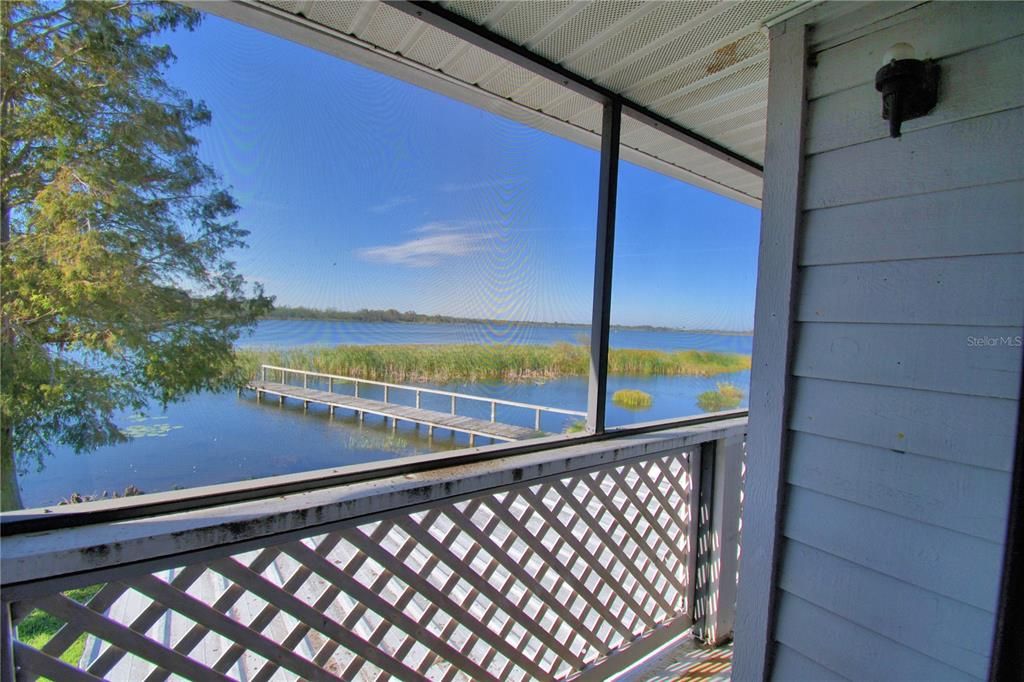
[[39, 627], [632, 399], [479, 362], [726, 397]]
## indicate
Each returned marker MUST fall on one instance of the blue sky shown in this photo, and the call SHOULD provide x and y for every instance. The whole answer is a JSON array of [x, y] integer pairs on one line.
[[361, 191]]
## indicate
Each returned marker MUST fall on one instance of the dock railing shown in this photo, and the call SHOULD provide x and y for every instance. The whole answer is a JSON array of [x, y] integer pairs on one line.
[[418, 391], [568, 562]]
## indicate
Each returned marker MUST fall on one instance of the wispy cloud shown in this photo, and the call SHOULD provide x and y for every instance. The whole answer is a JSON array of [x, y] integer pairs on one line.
[[451, 226], [440, 241], [392, 203], [481, 184]]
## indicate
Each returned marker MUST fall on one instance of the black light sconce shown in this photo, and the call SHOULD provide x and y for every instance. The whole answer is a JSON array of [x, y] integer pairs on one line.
[[909, 87]]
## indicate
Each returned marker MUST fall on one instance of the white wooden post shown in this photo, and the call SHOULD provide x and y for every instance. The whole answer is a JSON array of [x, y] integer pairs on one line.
[[305, 381], [773, 318], [453, 404], [330, 384], [263, 371], [493, 411], [536, 421], [385, 394], [357, 389], [719, 539], [7, 637], [417, 400]]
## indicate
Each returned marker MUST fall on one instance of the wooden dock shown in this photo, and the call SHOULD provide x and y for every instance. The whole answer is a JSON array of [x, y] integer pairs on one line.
[[432, 419]]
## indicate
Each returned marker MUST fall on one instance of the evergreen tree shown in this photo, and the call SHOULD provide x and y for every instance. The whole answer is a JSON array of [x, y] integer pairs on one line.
[[116, 283]]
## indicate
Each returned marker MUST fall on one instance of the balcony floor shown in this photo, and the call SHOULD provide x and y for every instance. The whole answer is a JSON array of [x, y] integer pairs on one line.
[[688, 660]]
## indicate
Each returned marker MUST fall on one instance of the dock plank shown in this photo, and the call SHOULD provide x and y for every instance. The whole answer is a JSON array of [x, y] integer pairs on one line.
[[443, 420]]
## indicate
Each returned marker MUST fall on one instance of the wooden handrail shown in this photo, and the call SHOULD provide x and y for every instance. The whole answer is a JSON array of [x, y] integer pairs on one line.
[[435, 391]]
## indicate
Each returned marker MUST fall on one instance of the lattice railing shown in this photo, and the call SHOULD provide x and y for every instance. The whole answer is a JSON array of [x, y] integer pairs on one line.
[[536, 579]]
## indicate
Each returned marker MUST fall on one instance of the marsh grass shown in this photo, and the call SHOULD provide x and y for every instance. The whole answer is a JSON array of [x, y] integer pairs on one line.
[[632, 399], [726, 397], [578, 426], [478, 362]]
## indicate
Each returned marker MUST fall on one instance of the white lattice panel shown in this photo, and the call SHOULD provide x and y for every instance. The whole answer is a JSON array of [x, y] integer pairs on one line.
[[524, 582]]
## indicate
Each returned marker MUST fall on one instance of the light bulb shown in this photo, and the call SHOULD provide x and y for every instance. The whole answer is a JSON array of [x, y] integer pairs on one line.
[[898, 52]]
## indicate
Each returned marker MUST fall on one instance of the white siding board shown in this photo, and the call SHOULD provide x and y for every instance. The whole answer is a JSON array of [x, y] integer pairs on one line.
[[793, 666], [963, 498], [901, 429], [985, 219], [935, 30], [949, 359], [842, 22], [956, 565], [982, 81], [853, 651], [929, 160], [970, 290], [944, 629], [966, 429]]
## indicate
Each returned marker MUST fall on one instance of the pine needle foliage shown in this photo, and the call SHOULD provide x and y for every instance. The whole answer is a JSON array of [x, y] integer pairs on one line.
[[117, 286]]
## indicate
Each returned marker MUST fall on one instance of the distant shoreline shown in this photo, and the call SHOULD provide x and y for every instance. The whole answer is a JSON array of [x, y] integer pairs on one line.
[[298, 313]]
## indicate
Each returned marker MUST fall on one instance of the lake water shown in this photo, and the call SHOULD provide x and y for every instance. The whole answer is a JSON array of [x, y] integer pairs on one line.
[[217, 438]]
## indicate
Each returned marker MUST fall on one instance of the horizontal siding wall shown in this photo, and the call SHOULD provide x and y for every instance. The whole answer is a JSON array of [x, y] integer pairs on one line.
[[904, 392]]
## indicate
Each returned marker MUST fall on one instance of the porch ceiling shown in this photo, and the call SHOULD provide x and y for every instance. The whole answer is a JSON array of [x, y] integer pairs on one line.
[[701, 65]]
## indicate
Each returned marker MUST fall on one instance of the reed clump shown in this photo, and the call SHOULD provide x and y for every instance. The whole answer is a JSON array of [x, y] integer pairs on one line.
[[726, 397], [479, 362], [632, 399]]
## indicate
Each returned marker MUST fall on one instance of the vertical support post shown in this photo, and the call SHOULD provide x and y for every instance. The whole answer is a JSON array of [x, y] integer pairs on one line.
[[357, 389], [330, 384], [693, 531], [305, 381], [494, 408], [7, 642], [536, 420], [385, 394], [472, 439], [605, 249], [453, 404], [719, 538], [263, 372], [770, 378], [702, 549], [417, 400]]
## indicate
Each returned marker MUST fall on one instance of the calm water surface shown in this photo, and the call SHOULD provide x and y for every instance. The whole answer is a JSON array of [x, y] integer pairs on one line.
[[216, 438]]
